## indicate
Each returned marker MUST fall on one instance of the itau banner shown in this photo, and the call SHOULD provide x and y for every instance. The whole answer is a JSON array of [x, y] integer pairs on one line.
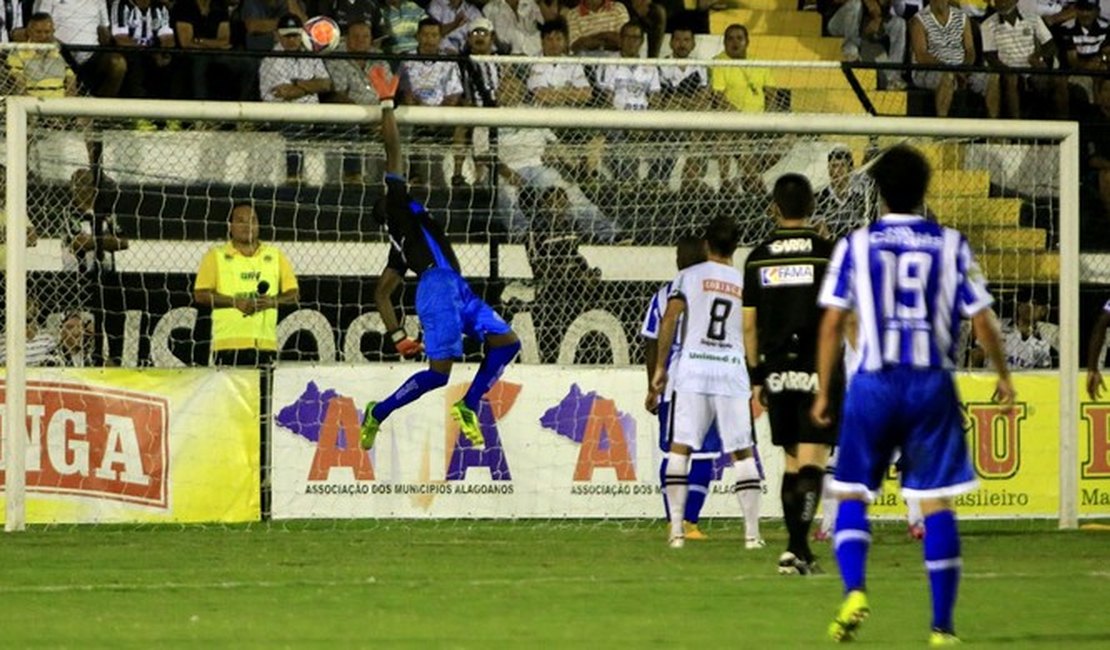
[[159, 446], [577, 442]]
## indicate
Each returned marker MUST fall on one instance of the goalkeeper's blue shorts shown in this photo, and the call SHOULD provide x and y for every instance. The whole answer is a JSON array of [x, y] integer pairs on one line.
[[710, 447], [912, 409], [448, 309]]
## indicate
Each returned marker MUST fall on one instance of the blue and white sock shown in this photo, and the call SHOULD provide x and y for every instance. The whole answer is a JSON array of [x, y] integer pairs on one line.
[[852, 541], [701, 473], [663, 483], [410, 391], [488, 373], [943, 562]]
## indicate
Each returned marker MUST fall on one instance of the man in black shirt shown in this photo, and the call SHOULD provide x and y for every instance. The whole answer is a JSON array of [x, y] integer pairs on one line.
[[447, 307], [781, 279]]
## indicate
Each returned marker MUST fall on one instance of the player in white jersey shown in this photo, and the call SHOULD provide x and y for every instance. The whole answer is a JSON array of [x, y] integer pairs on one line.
[[909, 282], [1094, 354], [710, 380]]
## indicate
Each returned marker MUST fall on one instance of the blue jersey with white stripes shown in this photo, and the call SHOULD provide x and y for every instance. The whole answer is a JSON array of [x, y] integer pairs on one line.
[[910, 281], [654, 318]]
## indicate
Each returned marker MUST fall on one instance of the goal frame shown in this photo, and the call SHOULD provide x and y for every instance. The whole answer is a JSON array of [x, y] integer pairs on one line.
[[20, 109]]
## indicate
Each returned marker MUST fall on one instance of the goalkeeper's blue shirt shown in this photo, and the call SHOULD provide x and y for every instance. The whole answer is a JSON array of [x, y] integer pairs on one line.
[[417, 242]]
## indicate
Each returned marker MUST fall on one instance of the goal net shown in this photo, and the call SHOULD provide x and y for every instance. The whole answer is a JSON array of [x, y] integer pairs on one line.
[[563, 217]]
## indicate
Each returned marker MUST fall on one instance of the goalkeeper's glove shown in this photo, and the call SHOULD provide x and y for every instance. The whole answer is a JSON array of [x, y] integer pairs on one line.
[[405, 345], [383, 83]]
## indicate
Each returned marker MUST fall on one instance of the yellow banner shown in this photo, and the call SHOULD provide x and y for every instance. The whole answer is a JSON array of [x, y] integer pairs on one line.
[[1016, 455], [115, 445]]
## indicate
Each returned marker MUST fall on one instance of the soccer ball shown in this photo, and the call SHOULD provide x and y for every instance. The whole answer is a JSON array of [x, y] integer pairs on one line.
[[323, 33]]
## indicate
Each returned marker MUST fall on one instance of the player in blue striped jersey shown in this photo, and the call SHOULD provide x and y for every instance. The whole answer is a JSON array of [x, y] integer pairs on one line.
[[908, 281], [690, 251], [1095, 386]]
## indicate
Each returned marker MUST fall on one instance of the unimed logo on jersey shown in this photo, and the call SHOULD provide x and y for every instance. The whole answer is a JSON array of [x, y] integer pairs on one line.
[[96, 442], [606, 436], [995, 438]]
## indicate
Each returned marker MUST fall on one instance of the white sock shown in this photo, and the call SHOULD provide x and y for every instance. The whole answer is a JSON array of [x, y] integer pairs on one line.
[[829, 505], [913, 512], [749, 492], [676, 486]]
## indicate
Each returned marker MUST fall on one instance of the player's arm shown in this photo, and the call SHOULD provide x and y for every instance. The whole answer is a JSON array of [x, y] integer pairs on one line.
[[385, 85], [751, 352], [829, 335], [388, 283], [1095, 385], [985, 326], [676, 306]]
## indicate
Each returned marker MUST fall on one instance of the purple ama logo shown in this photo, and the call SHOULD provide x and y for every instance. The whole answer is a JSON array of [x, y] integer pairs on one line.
[[607, 437]]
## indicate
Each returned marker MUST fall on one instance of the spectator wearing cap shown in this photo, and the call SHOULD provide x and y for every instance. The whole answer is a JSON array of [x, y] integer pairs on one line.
[[293, 80], [144, 25], [454, 17], [593, 26], [260, 17], [480, 89], [85, 22], [350, 86], [1013, 40], [517, 23]]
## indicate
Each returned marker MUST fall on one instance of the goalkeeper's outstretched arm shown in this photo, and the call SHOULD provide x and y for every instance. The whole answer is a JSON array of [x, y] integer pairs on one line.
[[385, 84]]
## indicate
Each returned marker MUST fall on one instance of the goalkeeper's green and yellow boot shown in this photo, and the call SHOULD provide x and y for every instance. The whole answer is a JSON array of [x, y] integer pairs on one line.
[[940, 638], [468, 423], [370, 425], [852, 613]]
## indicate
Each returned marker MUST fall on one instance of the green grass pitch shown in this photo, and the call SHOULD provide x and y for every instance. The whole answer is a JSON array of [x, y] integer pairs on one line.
[[523, 585]]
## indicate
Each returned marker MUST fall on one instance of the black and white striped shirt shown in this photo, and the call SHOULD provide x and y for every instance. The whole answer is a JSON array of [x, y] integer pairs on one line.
[[946, 42], [1087, 42], [145, 26]]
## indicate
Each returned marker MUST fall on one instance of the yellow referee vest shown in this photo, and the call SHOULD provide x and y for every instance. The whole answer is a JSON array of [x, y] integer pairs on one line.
[[238, 275]]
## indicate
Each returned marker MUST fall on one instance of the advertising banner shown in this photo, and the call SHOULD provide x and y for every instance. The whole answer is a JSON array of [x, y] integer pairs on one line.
[[577, 442], [114, 445]]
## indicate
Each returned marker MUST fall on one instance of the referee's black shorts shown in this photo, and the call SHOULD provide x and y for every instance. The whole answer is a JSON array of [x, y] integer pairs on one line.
[[788, 414]]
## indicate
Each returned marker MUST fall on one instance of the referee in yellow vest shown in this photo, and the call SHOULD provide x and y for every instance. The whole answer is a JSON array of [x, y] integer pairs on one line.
[[243, 282]]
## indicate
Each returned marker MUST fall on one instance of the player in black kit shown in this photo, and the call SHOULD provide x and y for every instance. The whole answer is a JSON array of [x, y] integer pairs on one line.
[[781, 279]]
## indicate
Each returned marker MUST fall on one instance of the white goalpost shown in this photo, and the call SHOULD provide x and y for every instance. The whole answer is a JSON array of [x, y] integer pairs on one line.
[[660, 129]]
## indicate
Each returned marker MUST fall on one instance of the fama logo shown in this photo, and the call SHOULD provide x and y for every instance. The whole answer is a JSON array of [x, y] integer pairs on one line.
[[995, 438], [96, 442], [1097, 418], [607, 437], [332, 422]]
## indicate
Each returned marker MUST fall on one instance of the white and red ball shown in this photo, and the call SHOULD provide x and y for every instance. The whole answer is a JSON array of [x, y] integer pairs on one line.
[[323, 33]]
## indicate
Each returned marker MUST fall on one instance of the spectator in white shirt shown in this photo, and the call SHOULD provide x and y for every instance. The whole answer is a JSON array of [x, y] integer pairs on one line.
[[684, 88], [558, 84], [350, 86], [628, 88], [293, 80], [144, 25], [454, 16], [1013, 40], [11, 21], [85, 22], [517, 23], [429, 83]]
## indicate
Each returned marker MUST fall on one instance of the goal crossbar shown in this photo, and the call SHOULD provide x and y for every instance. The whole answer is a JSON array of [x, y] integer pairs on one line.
[[19, 109]]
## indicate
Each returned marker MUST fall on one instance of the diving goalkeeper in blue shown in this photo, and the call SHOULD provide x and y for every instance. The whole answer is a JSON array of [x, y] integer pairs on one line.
[[909, 281], [448, 309]]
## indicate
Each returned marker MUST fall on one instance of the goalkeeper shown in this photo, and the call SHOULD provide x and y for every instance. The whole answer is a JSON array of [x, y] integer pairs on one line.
[[445, 304]]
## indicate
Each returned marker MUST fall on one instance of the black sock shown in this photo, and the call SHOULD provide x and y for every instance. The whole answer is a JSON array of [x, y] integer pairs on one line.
[[791, 510], [808, 490]]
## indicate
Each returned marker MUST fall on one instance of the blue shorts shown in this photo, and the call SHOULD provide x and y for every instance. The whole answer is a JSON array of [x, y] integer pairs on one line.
[[710, 448], [915, 410], [448, 309]]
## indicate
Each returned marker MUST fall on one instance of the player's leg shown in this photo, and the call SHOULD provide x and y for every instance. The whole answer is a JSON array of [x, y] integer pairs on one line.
[[502, 345], [439, 309], [829, 503], [935, 468], [701, 475], [692, 414], [664, 415], [734, 422]]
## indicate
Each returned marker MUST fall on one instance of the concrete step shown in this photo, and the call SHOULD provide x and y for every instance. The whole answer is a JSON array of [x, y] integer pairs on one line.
[[814, 100], [789, 22], [1020, 266], [956, 182], [1007, 239], [969, 212]]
